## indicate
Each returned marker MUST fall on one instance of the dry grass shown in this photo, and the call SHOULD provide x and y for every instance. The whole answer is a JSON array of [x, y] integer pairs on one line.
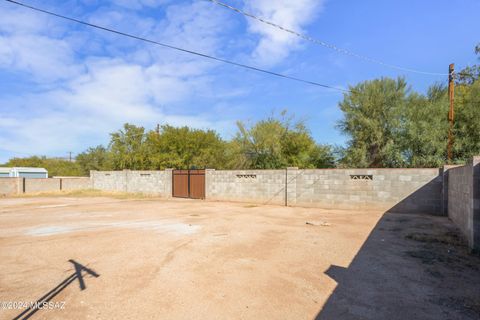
[[90, 193], [450, 238]]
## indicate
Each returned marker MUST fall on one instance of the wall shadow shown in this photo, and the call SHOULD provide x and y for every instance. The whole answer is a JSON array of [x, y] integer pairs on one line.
[[411, 266], [47, 297], [422, 201]]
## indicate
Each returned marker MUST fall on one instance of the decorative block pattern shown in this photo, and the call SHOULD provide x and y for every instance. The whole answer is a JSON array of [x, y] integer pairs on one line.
[[400, 190]]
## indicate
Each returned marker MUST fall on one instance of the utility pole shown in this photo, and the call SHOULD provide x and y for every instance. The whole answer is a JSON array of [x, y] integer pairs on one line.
[[451, 114], [70, 156]]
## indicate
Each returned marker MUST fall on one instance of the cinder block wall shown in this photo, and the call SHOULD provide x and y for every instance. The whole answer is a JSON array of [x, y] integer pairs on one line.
[[42, 185], [445, 176], [154, 182], [109, 180], [10, 186], [399, 190], [464, 200], [77, 183], [257, 186]]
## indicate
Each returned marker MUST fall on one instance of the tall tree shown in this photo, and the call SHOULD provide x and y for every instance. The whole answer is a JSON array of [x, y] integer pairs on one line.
[[467, 122], [184, 148], [374, 112], [391, 126], [467, 112], [277, 142], [426, 128], [127, 148], [469, 74], [95, 158]]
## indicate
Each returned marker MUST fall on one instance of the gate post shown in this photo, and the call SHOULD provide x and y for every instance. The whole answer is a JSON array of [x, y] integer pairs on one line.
[[168, 183]]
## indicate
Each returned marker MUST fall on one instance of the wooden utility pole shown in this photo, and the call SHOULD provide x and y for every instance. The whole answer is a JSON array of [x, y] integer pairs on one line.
[[451, 114]]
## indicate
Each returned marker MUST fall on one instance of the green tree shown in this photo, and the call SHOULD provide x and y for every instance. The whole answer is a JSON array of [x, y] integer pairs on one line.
[[374, 113], [469, 74], [467, 115], [391, 126], [127, 148], [426, 128], [95, 158], [467, 122], [184, 148], [277, 142], [322, 156]]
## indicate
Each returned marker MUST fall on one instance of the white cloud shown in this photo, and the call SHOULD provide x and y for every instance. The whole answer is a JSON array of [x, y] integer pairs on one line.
[[102, 81], [139, 4], [121, 91], [44, 58], [194, 26], [91, 106], [29, 44], [274, 44]]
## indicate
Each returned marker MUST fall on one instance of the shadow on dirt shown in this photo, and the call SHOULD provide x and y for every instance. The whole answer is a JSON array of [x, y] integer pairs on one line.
[[410, 267], [46, 298]]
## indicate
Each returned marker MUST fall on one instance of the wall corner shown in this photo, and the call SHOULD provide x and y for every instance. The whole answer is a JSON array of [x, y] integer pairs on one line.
[[475, 162], [444, 196]]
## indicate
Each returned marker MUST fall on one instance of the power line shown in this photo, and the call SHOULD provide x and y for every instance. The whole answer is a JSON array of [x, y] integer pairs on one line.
[[179, 49], [323, 43]]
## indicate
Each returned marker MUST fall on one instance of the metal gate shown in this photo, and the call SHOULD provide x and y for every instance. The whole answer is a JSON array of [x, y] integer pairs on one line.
[[188, 184]]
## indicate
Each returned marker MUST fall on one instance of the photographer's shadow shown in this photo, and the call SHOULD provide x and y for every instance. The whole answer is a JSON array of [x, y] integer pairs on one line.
[[76, 275]]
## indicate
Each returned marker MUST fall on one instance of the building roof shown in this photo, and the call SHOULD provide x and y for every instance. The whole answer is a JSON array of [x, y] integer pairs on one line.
[[28, 169]]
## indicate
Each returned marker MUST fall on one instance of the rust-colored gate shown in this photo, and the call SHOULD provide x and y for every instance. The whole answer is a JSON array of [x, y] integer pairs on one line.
[[188, 184]]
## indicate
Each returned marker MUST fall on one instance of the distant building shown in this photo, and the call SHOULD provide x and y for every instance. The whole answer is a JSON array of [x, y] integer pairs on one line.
[[5, 172], [23, 172]]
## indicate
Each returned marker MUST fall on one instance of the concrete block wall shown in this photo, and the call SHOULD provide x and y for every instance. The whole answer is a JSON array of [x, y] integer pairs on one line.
[[153, 182], [76, 183], [452, 190], [445, 174], [464, 200], [398, 190], [13, 186], [256, 186], [109, 180], [476, 204], [41, 185], [9, 186]]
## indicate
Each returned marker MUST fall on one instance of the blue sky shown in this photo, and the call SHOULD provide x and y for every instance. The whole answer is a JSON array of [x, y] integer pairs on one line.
[[65, 87]]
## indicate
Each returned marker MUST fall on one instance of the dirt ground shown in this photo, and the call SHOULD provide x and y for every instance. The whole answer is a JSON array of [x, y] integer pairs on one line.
[[105, 258]]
